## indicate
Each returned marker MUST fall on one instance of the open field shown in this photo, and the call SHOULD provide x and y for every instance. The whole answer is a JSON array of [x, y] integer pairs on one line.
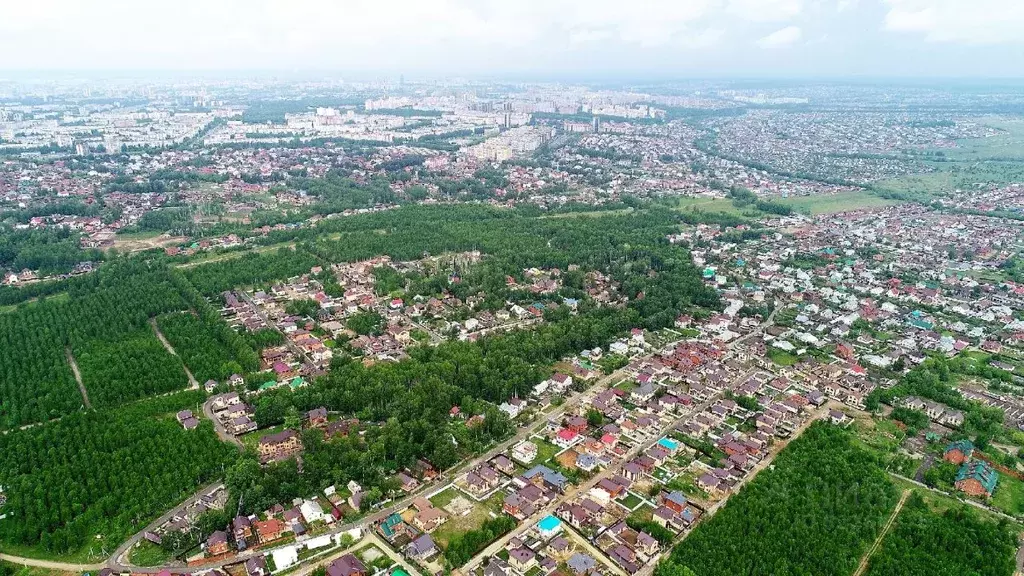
[[1009, 495], [832, 203], [145, 553], [480, 513], [706, 205], [145, 240]]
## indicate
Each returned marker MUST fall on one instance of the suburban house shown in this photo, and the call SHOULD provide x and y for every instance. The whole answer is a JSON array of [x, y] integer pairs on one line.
[[279, 446], [429, 519], [315, 418], [977, 478], [421, 548], [524, 452], [958, 452], [270, 530], [347, 565], [217, 543], [187, 420]]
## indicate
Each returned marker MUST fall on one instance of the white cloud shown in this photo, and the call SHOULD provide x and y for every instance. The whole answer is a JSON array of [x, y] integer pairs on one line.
[[844, 5], [782, 37], [765, 10], [958, 21]]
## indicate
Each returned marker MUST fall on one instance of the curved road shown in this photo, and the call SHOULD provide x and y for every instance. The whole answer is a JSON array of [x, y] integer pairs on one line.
[[222, 432], [118, 561]]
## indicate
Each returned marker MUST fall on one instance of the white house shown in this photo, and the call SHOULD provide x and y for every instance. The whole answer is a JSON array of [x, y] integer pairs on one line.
[[525, 452]]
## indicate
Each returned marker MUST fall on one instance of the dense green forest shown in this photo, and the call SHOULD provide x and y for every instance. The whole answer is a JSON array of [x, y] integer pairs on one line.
[[404, 407], [210, 348], [103, 472], [133, 367], [35, 380], [957, 542], [50, 251], [815, 512], [251, 269]]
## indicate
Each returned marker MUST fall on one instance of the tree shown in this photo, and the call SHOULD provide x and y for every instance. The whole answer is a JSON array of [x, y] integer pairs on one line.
[[365, 323]]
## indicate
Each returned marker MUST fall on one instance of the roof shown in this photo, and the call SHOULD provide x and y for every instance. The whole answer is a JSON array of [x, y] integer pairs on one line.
[[964, 446], [981, 471]]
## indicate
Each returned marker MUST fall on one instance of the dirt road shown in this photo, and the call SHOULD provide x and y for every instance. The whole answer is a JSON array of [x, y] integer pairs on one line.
[[881, 536]]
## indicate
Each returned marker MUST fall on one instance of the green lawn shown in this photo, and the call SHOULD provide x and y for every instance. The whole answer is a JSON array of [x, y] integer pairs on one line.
[[545, 450], [832, 203], [444, 497], [626, 385], [781, 357], [1009, 495], [706, 205], [148, 554], [631, 500]]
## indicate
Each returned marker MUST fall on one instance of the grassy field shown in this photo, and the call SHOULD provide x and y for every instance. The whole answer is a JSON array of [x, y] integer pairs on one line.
[[92, 552], [975, 161], [54, 298], [1009, 495], [16, 570], [706, 205], [457, 525], [1008, 145], [545, 450], [781, 357], [879, 434], [148, 554], [832, 203]]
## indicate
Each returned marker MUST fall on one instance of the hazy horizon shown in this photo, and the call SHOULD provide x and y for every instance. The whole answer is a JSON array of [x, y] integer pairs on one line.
[[699, 39]]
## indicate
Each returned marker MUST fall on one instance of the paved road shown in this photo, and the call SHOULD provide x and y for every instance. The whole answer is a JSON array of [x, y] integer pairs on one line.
[[222, 432], [119, 559], [608, 472], [118, 563]]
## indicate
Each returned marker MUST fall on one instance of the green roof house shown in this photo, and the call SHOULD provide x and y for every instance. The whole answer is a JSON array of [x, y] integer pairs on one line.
[[977, 478]]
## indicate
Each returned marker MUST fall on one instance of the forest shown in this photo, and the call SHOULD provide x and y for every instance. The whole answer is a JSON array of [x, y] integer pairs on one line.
[[49, 251], [956, 542], [251, 269], [103, 472], [35, 379], [133, 367], [210, 348], [815, 512]]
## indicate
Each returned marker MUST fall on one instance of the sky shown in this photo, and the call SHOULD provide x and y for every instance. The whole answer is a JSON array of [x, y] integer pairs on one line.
[[542, 38]]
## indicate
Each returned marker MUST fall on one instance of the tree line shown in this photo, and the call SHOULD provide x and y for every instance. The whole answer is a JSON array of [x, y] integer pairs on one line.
[[815, 512]]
